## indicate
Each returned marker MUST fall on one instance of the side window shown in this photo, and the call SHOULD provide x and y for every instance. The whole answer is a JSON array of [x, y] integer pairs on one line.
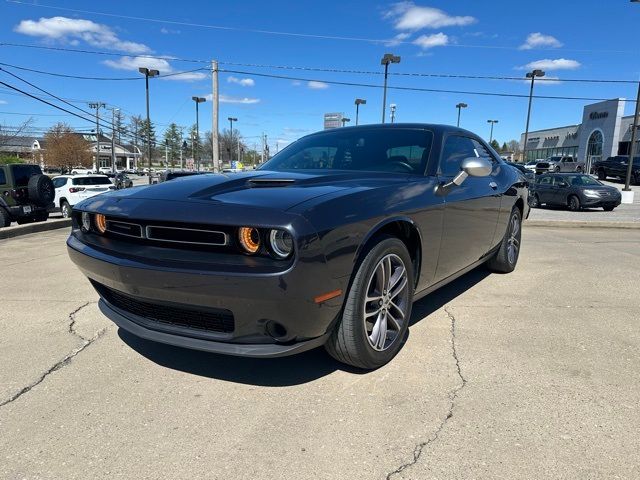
[[3, 177], [545, 181], [312, 158], [59, 182], [559, 181], [482, 151], [455, 150]]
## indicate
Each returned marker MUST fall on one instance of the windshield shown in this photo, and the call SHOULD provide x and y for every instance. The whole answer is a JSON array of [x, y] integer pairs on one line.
[[92, 181], [22, 173], [581, 180], [401, 150]]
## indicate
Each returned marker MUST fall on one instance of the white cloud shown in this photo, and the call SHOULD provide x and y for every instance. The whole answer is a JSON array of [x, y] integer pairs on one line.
[[3, 102], [430, 41], [548, 64], [244, 82], [398, 39], [315, 85], [163, 66], [538, 40], [167, 31], [409, 16], [74, 30], [242, 100]]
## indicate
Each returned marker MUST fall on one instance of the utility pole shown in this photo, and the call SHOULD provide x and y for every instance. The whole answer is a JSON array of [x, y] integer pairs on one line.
[[359, 101], [386, 60], [166, 153], [532, 75], [215, 100], [264, 143], [231, 120], [632, 147], [460, 106], [97, 106], [181, 150]]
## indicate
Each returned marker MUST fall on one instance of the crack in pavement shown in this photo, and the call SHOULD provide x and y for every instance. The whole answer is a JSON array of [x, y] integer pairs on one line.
[[64, 361], [453, 394]]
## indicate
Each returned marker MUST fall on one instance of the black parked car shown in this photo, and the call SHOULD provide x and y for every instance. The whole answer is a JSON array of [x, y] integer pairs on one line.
[[26, 194], [617, 167], [122, 180], [329, 242], [574, 191], [528, 174]]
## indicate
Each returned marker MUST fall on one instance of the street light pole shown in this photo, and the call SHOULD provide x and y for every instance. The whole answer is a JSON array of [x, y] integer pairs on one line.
[[359, 101], [392, 107], [532, 75], [386, 60], [198, 101], [460, 106], [492, 122], [345, 120], [148, 73], [231, 120]]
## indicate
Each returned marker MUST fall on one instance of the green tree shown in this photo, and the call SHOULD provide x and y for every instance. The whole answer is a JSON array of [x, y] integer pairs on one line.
[[495, 144], [505, 148], [173, 141]]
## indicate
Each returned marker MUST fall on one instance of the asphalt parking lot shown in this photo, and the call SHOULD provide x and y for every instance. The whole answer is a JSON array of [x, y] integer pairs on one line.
[[521, 376]]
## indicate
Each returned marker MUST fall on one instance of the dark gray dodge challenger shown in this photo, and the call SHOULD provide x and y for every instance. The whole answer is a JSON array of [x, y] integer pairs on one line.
[[328, 243]]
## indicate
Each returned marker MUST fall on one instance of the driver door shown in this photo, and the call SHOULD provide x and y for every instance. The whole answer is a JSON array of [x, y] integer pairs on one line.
[[471, 209]]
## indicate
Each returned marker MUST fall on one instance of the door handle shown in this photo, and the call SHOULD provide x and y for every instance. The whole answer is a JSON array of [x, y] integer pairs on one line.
[[494, 185]]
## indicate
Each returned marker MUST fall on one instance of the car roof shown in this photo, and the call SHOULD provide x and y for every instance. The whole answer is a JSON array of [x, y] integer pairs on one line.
[[434, 127]]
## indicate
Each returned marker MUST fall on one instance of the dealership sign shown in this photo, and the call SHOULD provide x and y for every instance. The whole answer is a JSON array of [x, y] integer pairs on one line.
[[598, 115]]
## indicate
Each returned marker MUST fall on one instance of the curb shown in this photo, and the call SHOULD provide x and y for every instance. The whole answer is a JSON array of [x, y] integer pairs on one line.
[[582, 224], [19, 230]]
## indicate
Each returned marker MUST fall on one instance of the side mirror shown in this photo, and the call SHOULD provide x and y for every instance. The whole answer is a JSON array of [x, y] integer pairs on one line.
[[471, 167]]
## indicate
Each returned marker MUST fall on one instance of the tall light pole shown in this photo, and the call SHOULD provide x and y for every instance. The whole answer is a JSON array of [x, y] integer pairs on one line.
[[359, 101], [345, 120], [492, 122], [532, 75], [113, 136], [386, 60], [393, 107], [460, 106], [198, 101], [97, 106], [231, 120], [148, 73]]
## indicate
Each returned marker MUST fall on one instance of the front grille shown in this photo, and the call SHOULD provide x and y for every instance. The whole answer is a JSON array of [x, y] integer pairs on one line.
[[542, 165], [124, 228], [194, 236], [210, 319]]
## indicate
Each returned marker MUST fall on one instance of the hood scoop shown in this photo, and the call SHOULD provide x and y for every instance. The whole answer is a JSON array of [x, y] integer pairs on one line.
[[262, 182]]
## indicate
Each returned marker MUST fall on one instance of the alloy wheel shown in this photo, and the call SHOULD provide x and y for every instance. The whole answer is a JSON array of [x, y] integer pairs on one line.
[[386, 304], [66, 210], [513, 243]]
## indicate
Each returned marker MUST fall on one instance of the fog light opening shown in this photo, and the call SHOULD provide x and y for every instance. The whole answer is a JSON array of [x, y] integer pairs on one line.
[[276, 330]]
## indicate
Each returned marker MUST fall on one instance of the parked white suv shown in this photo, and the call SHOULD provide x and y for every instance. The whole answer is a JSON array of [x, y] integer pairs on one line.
[[71, 189]]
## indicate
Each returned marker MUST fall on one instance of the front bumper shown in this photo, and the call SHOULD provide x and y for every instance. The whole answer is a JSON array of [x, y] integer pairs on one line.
[[588, 202], [256, 301]]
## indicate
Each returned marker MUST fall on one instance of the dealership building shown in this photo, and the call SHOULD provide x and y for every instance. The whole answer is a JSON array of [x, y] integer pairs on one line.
[[604, 132]]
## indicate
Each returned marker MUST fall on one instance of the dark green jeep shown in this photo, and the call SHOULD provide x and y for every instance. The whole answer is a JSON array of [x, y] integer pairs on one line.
[[26, 195]]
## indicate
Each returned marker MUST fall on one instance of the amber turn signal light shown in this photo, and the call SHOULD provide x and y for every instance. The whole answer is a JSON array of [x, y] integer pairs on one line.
[[101, 223], [249, 239]]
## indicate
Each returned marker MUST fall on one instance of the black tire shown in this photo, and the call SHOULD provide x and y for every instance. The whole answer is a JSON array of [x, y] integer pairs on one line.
[[505, 259], [573, 202], [25, 220], [535, 201], [557, 170], [41, 190], [65, 208], [41, 217], [608, 209], [5, 219], [602, 175], [350, 342], [579, 169]]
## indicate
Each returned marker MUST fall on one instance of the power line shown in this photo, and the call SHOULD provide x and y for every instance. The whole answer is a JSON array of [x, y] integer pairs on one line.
[[415, 89]]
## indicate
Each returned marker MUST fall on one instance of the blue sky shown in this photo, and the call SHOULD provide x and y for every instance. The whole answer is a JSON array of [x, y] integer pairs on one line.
[[586, 39]]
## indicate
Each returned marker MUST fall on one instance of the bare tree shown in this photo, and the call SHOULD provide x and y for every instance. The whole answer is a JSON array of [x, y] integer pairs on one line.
[[65, 149]]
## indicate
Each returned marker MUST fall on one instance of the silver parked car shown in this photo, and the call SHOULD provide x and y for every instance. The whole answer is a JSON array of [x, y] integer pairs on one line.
[[560, 164]]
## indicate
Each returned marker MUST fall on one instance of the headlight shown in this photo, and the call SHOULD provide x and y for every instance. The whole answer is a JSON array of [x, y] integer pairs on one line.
[[101, 223], [281, 243], [591, 193], [86, 222], [249, 239]]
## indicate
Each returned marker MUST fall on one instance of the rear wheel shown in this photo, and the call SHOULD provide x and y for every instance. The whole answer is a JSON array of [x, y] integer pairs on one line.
[[574, 203], [602, 174], [535, 201], [377, 308], [506, 258], [65, 208], [579, 169]]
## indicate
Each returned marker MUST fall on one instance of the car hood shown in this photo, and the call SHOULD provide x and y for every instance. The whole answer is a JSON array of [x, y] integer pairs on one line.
[[259, 189]]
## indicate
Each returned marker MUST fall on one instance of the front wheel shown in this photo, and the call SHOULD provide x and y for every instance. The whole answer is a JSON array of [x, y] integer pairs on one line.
[[602, 174], [377, 308], [506, 258], [574, 203], [65, 208], [608, 209], [557, 170]]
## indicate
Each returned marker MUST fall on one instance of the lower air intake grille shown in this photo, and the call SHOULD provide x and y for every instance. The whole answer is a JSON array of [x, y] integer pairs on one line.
[[210, 320]]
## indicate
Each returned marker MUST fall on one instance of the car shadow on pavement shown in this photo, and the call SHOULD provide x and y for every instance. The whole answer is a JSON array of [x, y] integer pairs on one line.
[[285, 371]]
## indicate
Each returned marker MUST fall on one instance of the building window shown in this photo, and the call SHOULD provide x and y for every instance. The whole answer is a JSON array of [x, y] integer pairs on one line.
[[594, 147]]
